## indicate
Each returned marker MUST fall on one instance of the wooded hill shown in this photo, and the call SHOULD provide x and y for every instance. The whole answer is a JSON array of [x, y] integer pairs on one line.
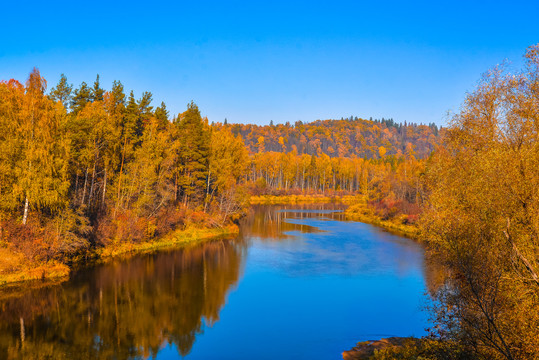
[[342, 138], [87, 168]]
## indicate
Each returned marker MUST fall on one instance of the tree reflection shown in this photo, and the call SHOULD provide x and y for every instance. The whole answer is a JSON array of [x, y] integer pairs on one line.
[[267, 222], [127, 309], [133, 308]]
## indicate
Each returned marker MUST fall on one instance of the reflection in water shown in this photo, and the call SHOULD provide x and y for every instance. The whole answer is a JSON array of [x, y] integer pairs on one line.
[[123, 310], [347, 250], [309, 285], [267, 222]]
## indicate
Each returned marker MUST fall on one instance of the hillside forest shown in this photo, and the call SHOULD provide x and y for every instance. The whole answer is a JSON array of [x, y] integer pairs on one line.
[[87, 168]]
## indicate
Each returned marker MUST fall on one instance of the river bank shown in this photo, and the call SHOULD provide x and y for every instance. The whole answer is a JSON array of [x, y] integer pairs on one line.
[[285, 265], [358, 210], [14, 268], [398, 224], [299, 199], [406, 348]]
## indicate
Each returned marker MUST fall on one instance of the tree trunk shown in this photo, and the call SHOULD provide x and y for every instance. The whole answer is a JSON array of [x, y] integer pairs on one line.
[[25, 215], [84, 189], [23, 335], [104, 187]]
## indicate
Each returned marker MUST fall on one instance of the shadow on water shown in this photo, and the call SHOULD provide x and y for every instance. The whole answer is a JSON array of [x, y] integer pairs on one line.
[[158, 305]]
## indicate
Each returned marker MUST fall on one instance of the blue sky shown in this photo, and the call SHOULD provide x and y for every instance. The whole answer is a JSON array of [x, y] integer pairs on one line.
[[257, 61]]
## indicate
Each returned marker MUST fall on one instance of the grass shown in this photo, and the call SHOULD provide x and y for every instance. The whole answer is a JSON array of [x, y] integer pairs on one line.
[[15, 268], [362, 213], [178, 238], [358, 210], [295, 199]]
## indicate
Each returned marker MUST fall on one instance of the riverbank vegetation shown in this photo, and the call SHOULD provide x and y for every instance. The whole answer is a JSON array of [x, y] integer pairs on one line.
[[482, 216], [89, 169]]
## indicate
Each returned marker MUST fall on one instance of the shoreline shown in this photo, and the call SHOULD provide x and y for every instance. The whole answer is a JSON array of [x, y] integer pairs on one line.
[[302, 199], [409, 231], [55, 270], [59, 272], [354, 213]]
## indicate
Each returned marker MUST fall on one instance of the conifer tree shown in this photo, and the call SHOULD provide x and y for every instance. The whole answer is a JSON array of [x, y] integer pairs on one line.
[[193, 154], [81, 97], [161, 114], [62, 92], [97, 91], [118, 94]]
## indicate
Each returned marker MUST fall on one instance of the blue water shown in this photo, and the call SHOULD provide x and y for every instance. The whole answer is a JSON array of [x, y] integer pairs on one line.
[[316, 294], [296, 284]]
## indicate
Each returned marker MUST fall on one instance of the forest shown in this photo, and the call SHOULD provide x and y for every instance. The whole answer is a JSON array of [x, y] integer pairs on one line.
[[342, 138], [87, 168]]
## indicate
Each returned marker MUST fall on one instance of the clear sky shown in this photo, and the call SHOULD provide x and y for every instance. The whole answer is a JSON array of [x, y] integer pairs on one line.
[[256, 61]]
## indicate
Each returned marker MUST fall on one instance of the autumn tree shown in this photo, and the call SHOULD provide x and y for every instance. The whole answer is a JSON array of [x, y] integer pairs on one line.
[[227, 166], [482, 217]]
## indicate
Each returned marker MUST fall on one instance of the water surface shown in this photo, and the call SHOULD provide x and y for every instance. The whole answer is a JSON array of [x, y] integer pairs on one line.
[[298, 283]]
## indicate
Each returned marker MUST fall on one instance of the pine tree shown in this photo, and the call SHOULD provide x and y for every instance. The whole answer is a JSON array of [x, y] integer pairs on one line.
[[118, 94], [132, 121], [193, 154], [161, 114], [62, 92], [97, 91], [144, 104], [81, 97]]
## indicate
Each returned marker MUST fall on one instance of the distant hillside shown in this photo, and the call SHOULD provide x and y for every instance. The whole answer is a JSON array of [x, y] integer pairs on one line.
[[342, 138]]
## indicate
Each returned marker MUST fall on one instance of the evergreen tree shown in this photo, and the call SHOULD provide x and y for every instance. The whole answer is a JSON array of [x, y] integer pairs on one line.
[[193, 154], [62, 92], [97, 91], [144, 107], [81, 97], [161, 114], [133, 125], [118, 94]]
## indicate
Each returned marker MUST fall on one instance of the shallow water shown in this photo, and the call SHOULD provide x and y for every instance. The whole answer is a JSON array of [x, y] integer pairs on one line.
[[298, 283]]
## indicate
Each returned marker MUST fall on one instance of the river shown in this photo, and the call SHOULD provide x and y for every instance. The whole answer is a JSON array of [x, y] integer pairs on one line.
[[299, 282]]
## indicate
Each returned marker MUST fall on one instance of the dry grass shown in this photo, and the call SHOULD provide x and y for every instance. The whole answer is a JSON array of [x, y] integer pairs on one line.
[[14, 268], [295, 199], [177, 238], [362, 213]]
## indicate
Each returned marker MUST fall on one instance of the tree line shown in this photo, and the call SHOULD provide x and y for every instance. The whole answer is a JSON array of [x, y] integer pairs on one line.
[[342, 138], [85, 167]]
